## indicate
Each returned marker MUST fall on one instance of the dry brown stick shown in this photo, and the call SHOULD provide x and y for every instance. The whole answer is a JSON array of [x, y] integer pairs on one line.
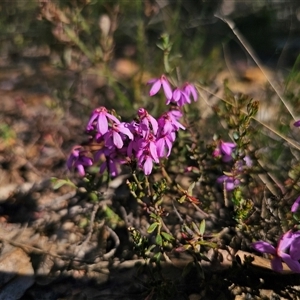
[[91, 229], [116, 239]]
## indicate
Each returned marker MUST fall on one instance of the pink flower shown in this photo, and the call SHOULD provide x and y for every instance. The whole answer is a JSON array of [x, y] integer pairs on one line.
[[147, 119], [112, 159], [146, 160], [157, 83], [229, 182], [100, 116], [227, 147], [147, 154], [164, 144], [190, 90], [279, 253], [224, 150], [78, 159], [114, 135], [180, 97]]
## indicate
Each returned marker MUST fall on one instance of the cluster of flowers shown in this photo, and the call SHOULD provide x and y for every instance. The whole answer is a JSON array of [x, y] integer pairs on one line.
[[142, 142], [287, 249], [224, 151], [288, 245]]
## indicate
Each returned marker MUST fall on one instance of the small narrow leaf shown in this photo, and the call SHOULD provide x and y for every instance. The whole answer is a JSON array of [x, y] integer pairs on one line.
[[182, 199], [202, 227], [228, 174], [153, 216], [191, 187], [58, 183], [167, 236], [180, 188], [236, 136], [157, 257], [159, 240], [196, 230], [152, 227]]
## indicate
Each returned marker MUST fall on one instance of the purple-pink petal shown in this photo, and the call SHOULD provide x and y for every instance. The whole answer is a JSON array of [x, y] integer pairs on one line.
[[264, 247], [86, 161], [113, 118], [118, 142], [123, 127], [295, 247], [102, 123], [284, 242], [190, 89], [153, 124], [169, 146], [160, 147], [148, 165], [276, 264], [80, 169], [292, 264], [229, 186], [153, 152], [166, 87], [176, 94], [297, 123], [155, 88], [91, 121], [227, 148], [296, 205]]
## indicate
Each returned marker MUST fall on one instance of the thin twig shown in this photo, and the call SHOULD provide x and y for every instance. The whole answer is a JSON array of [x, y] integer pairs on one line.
[[164, 226], [116, 239], [91, 229], [289, 141], [177, 213], [200, 210], [251, 52]]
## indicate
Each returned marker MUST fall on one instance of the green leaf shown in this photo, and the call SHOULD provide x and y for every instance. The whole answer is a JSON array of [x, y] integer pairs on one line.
[[167, 236], [160, 46], [182, 199], [236, 136], [191, 187], [58, 183], [202, 227], [196, 230], [148, 251], [157, 257], [94, 197], [208, 244], [159, 240], [152, 227], [153, 216]]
